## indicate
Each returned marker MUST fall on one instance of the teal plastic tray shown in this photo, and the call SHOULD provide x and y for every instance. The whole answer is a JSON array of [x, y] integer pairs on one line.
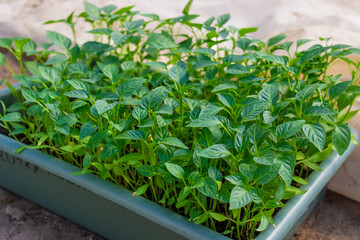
[[112, 211]]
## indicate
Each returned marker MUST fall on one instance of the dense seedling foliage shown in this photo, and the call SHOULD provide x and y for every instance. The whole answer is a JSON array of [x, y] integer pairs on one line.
[[197, 117]]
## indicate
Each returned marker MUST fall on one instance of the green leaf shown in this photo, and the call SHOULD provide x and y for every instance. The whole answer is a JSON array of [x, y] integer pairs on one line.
[[241, 141], [77, 68], [93, 47], [59, 40], [58, 58], [202, 218], [175, 170], [306, 92], [146, 170], [243, 43], [128, 88], [263, 224], [165, 109], [91, 9], [154, 98], [207, 51], [178, 73], [109, 150], [2, 59], [270, 93], [205, 121], [210, 109], [156, 65], [253, 110], [264, 174], [161, 40], [338, 89], [123, 10], [128, 65], [132, 135], [139, 113], [30, 96], [218, 216], [5, 43], [247, 170], [287, 129], [301, 42], [22, 148], [353, 89], [300, 180], [236, 179], [308, 55], [206, 137], [265, 158], [133, 25], [131, 156], [319, 156], [105, 31], [318, 111], [209, 188], [236, 69], [345, 100], [221, 20], [87, 129], [316, 134], [118, 38], [279, 194], [111, 71], [274, 40], [172, 141], [268, 117], [287, 166], [226, 86], [150, 15], [215, 151], [255, 132], [215, 173], [141, 190], [203, 63], [11, 117], [226, 99], [244, 31], [233, 58], [51, 74], [102, 106], [341, 137], [83, 94], [187, 7], [272, 58], [239, 197], [313, 166], [295, 190]]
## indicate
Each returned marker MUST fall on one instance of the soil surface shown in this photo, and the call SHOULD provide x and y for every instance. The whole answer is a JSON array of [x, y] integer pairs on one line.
[[335, 218]]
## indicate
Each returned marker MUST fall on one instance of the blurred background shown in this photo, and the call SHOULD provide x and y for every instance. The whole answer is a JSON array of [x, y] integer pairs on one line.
[[337, 217], [339, 19]]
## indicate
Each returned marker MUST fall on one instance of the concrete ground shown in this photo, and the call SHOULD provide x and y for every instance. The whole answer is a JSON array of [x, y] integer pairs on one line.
[[335, 218]]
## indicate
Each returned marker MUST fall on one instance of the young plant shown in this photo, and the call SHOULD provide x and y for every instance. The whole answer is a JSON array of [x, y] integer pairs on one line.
[[210, 123]]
